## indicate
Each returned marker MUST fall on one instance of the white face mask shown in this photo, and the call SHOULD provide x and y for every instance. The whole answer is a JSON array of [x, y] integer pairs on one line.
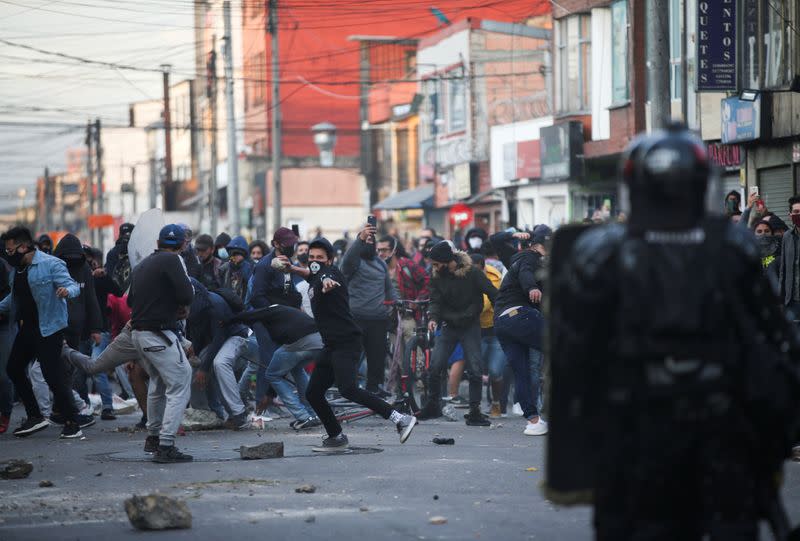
[[475, 243]]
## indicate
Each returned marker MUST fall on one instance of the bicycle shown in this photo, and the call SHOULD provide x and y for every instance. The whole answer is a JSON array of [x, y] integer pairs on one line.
[[416, 357]]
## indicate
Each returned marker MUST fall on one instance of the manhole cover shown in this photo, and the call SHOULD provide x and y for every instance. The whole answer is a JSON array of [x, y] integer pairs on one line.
[[221, 455]]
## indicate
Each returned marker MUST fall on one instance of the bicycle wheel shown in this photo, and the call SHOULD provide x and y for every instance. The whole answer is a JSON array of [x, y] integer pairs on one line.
[[415, 373]]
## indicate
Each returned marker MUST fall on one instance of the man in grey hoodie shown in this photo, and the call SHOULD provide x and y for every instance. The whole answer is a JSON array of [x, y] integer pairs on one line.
[[370, 287]]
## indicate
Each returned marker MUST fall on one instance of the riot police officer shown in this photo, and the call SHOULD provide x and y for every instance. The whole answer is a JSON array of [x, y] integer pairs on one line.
[[670, 360]]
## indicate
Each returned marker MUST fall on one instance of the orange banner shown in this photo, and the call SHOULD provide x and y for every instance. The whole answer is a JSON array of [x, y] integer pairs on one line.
[[96, 221]]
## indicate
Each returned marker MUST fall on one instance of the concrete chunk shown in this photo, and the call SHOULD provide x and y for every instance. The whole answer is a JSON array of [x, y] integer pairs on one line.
[[15, 469], [271, 449], [157, 512]]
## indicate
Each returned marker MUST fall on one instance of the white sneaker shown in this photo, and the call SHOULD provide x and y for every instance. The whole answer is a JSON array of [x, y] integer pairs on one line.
[[539, 428], [517, 410]]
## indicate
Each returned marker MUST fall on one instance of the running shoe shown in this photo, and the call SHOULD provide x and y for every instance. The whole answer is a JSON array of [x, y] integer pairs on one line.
[[30, 426], [71, 431], [151, 444], [539, 428], [238, 422], [335, 444], [311, 422], [459, 402], [85, 420], [108, 414], [170, 454], [405, 426]]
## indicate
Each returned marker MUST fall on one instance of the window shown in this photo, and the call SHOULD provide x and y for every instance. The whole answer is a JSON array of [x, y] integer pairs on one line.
[[457, 101], [619, 51], [770, 56], [675, 73], [432, 108], [777, 38], [574, 52]]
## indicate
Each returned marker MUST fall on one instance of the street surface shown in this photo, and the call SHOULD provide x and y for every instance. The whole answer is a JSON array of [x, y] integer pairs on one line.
[[482, 486]]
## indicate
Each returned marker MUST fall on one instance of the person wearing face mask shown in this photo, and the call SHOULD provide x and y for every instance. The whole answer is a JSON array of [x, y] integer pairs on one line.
[[733, 203], [40, 285], [457, 290], [519, 324], [338, 362], [45, 244], [220, 246], [475, 239], [235, 273], [789, 269], [770, 246], [370, 288], [301, 252]]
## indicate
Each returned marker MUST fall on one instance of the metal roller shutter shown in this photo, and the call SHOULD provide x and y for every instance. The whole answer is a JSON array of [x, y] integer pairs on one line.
[[776, 186]]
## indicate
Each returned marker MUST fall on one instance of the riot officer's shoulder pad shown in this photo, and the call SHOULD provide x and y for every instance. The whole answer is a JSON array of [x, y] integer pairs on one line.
[[596, 247], [742, 241]]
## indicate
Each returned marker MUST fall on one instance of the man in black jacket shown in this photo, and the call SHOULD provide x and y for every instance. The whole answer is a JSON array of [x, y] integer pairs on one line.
[[299, 343], [518, 323], [341, 337], [118, 266], [159, 289], [457, 290]]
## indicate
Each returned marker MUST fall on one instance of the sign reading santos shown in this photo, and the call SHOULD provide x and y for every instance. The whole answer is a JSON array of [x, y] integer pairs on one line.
[[716, 45]]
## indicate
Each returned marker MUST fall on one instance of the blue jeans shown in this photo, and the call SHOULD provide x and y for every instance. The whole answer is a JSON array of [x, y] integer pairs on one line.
[[518, 334], [292, 362], [493, 357], [6, 387], [101, 384], [537, 358]]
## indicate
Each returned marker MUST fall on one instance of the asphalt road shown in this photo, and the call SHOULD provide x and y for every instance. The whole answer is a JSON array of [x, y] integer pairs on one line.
[[482, 485]]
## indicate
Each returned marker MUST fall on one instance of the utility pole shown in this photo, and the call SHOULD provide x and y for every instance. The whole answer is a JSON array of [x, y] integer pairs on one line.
[[98, 150], [167, 140], [211, 92], [366, 134], [233, 156], [277, 219], [89, 171], [46, 220], [658, 63], [133, 188]]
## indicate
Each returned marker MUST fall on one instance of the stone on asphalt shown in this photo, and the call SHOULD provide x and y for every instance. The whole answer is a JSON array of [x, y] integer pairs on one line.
[[45, 484], [271, 449], [306, 489], [437, 520], [197, 419], [157, 512], [15, 469]]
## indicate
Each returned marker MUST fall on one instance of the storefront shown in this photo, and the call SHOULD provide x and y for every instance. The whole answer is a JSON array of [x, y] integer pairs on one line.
[[543, 203], [729, 159]]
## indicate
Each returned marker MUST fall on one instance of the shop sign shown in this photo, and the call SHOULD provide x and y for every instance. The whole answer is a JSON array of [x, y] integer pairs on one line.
[[741, 120], [561, 150], [716, 45], [521, 160], [726, 155], [462, 186]]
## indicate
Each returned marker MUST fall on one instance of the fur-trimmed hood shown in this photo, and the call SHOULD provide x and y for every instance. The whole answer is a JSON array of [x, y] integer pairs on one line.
[[464, 263]]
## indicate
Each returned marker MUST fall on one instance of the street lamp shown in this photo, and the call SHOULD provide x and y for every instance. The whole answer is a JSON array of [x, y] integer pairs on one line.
[[325, 139]]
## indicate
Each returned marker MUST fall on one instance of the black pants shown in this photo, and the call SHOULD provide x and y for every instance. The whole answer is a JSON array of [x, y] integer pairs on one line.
[[374, 342], [470, 338], [339, 366], [29, 345]]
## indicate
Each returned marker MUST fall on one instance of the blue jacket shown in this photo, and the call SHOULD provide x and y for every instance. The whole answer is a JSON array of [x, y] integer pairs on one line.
[[45, 275]]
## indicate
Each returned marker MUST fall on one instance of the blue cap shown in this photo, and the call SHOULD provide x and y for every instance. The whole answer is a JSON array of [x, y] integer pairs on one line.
[[171, 235]]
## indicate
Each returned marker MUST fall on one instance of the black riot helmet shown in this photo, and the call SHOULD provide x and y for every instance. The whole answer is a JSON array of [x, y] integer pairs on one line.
[[666, 180]]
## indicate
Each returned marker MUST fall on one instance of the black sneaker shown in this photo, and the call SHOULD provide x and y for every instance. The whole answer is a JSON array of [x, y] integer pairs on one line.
[[170, 454], [238, 422], [71, 431], [405, 426], [57, 419], [459, 402], [476, 418], [336, 444], [85, 420], [311, 422], [108, 414], [431, 410], [151, 444], [30, 426], [142, 424]]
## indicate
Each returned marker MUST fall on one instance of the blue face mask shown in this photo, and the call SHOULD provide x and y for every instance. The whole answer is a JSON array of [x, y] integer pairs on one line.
[[222, 253]]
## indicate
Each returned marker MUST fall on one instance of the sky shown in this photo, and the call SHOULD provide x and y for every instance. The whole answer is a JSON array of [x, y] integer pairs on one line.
[[45, 100]]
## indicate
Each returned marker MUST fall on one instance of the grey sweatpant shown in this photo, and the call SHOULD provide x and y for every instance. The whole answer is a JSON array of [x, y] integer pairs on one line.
[[224, 364], [120, 351], [168, 392]]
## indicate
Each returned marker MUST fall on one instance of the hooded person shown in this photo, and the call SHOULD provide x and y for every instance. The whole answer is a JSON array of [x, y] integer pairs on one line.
[[236, 272], [45, 244], [84, 317], [118, 266], [769, 246], [221, 246], [475, 239]]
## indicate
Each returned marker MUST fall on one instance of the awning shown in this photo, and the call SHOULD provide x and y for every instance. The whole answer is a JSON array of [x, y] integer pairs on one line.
[[409, 199]]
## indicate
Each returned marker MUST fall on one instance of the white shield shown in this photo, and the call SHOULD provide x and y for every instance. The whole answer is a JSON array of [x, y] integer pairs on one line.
[[144, 238]]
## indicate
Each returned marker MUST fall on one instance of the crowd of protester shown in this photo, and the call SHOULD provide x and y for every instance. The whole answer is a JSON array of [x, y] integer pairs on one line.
[[242, 328]]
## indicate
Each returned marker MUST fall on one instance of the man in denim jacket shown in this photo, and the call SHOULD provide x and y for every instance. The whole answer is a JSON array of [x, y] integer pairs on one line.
[[40, 285]]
